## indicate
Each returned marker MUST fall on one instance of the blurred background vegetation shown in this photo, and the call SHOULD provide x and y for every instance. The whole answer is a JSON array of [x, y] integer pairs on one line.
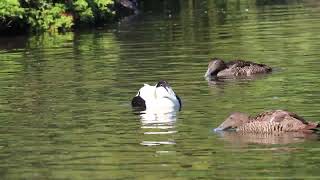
[[22, 16], [52, 15]]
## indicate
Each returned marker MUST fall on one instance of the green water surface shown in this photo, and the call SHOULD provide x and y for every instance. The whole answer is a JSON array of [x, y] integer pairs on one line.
[[65, 108]]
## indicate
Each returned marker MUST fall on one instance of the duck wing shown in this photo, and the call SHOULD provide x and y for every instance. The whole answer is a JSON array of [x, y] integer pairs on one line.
[[291, 123], [244, 68], [240, 63], [277, 116]]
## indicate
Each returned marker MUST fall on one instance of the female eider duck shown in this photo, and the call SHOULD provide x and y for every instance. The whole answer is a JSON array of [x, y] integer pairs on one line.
[[160, 97], [219, 68], [276, 121]]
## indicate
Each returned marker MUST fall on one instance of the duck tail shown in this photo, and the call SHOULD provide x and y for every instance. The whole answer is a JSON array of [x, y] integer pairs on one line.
[[312, 127], [315, 127]]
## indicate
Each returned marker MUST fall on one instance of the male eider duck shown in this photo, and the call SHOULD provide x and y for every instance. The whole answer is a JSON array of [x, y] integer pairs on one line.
[[219, 68], [276, 121], [160, 97]]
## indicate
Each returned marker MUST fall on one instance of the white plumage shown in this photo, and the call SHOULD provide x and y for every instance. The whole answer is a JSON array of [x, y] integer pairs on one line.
[[157, 98]]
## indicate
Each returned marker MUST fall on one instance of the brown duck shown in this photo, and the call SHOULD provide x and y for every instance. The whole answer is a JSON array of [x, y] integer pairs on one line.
[[276, 121], [219, 68]]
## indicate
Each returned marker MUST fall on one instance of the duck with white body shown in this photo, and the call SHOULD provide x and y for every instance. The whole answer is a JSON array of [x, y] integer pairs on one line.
[[158, 98]]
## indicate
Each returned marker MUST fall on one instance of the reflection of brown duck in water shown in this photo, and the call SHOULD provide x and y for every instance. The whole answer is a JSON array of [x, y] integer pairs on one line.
[[242, 138], [277, 121], [236, 68]]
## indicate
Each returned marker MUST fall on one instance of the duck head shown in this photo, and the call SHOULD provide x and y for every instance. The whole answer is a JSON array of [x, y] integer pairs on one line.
[[215, 65], [233, 121], [163, 90]]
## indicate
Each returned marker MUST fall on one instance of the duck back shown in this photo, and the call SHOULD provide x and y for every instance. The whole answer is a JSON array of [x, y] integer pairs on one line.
[[244, 68], [276, 122]]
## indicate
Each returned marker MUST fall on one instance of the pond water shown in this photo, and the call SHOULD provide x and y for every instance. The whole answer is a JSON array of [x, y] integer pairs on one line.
[[65, 109]]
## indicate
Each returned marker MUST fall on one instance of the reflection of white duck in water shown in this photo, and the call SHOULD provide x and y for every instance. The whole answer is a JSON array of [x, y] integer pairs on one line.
[[158, 106], [158, 98]]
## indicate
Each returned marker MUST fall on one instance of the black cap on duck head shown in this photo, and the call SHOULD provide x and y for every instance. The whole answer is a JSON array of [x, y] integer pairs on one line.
[[214, 66], [162, 83]]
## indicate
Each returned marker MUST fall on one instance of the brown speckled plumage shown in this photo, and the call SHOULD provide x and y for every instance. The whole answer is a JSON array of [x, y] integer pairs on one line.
[[219, 68], [276, 121]]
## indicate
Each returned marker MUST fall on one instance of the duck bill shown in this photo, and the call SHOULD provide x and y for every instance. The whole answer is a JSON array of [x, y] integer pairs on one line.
[[211, 73], [224, 126], [166, 88], [208, 73], [218, 129]]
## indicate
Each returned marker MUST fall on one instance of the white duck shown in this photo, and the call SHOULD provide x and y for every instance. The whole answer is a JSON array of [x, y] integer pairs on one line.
[[160, 97]]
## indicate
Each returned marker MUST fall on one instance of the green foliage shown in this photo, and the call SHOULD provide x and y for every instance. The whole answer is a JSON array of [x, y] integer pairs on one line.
[[102, 8], [92, 11], [49, 15], [10, 8], [11, 14], [83, 10]]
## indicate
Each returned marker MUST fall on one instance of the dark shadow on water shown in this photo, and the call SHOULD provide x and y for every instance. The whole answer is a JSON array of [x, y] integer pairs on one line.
[[9, 43], [276, 2]]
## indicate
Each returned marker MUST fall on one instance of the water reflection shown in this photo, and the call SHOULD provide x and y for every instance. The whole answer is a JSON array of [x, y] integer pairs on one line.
[[64, 101], [212, 81], [158, 123], [158, 118], [275, 138]]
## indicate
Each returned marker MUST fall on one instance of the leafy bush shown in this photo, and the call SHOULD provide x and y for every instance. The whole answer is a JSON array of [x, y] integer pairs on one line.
[[11, 14], [92, 11], [10, 8], [49, 17], [53, 15]]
